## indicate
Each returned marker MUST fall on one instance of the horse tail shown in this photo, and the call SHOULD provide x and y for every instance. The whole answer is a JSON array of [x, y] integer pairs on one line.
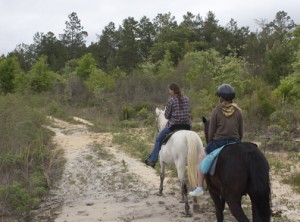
[[260, 191], [195, 145]]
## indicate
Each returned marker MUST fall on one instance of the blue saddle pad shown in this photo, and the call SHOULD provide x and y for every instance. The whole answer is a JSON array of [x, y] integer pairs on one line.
[[209, 159]]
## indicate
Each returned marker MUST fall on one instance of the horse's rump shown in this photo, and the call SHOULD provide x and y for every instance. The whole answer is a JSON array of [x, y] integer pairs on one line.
[[177, 145]]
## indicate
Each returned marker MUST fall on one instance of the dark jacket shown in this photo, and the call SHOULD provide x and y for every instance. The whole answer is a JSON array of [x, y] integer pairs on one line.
[[226, 122]]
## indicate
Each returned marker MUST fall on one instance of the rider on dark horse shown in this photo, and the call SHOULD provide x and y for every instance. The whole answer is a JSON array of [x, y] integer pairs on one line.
[[178, 115], [226, 126]]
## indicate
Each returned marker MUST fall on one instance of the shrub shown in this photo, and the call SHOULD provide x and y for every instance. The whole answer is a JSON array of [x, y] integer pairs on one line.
[[286, 118], [142, 113], [17, 198], [127, 112], [129, 123], [26, 156]]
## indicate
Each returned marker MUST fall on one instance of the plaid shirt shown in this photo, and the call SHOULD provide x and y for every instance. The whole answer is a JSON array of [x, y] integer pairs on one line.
[[177, 113]]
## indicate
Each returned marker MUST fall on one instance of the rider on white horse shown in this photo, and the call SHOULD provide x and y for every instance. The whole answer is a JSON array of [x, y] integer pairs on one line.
[[178, 115]]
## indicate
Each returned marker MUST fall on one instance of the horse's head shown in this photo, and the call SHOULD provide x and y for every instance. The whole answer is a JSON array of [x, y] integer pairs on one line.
[[157, 111], [206, 127], [160, 117]]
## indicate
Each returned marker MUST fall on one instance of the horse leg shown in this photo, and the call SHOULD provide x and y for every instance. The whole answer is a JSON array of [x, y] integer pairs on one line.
[[184, 197], [256, 214], [219, 203], [162, 177], [237, 211]]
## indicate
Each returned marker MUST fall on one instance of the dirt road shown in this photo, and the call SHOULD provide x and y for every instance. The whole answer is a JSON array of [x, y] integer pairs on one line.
[[101, 183]]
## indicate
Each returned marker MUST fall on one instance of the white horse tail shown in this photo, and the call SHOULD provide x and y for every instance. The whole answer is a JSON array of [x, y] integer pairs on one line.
[[195, 146]]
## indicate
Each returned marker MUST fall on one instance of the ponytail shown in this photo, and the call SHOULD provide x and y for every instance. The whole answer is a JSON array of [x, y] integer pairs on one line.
[[175, 88]]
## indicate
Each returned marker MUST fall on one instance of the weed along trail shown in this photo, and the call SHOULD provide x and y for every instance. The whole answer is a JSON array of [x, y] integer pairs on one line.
[[102, 183]]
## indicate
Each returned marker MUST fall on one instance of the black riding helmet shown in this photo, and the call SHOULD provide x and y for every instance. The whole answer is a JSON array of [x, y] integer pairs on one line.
[[226, 91]]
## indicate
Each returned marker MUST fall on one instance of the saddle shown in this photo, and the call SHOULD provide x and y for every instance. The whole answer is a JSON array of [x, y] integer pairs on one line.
[[174, 129]]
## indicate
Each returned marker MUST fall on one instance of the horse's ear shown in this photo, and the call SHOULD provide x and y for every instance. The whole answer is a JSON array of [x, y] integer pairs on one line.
[[204, 120]]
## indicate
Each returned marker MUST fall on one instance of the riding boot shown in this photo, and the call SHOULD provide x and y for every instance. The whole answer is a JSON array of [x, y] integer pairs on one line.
[[150, 162]]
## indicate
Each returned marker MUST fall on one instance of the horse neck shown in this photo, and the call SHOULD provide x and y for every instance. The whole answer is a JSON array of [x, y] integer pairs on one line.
[[162, 121]]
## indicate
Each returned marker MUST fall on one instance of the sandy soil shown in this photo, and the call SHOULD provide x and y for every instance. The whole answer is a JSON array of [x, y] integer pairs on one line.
[[113, 186]]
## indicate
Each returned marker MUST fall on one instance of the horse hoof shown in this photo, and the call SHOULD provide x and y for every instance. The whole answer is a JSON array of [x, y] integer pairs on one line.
[[186, 214], [159, 194]]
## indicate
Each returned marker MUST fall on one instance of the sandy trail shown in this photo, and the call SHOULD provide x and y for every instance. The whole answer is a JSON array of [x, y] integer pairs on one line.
[[117, 187]]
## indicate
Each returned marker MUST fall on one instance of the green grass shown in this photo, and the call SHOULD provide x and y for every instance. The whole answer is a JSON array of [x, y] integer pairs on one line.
[[28, 161], [282, 164], [101, 152], [294, 181], [132, 143]]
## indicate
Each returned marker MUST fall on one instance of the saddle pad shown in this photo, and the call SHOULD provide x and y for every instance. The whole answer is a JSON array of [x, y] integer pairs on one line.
[[213, 167], [209, 159]]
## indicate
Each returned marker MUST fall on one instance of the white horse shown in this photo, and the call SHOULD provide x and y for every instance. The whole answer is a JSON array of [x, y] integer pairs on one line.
[[182, 149]]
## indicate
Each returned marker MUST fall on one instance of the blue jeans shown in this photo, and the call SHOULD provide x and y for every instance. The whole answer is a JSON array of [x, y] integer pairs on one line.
[[154, 155], [215, 144]]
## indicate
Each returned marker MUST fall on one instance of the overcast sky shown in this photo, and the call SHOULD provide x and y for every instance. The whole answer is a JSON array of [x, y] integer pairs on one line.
[[21, 19]]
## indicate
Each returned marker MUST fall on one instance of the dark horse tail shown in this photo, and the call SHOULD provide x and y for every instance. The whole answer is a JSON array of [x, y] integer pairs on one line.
[[259, 189]]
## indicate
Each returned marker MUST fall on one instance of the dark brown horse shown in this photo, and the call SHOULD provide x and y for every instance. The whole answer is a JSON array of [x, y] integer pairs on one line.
[[241, 169]]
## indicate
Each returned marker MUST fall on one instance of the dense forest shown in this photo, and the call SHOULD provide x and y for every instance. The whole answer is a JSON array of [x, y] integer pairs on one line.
[[118, 81]]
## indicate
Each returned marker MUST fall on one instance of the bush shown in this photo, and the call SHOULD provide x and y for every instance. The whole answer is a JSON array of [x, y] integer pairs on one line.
[[17, 198], [38, 183], [55, 109], [26, 155], [142, 113], [127, 112], [286, 118], [129, 123]]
